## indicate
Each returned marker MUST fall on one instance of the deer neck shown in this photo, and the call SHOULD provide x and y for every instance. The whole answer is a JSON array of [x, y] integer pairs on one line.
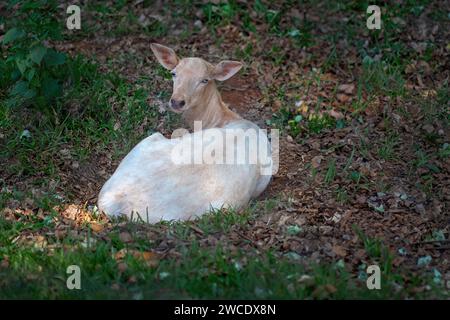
[[212, 111]]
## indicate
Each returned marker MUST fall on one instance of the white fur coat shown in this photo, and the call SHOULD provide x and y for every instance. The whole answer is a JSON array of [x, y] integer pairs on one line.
[[148, 184]]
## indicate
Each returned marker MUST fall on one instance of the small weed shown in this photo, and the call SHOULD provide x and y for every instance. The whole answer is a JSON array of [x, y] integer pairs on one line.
[[38, 73], [387, 149], [376, 250], [342, 195], [331, 171], [382, 78]]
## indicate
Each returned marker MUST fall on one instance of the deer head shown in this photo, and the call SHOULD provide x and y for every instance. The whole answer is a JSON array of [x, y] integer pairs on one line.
[[194, 89]]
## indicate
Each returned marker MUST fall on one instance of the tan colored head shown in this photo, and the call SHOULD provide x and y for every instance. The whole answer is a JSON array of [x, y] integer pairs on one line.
[[193, 78]]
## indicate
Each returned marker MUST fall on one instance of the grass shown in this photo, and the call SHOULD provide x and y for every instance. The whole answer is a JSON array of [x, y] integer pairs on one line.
[[387, 149], [111, 117], [331, 172]]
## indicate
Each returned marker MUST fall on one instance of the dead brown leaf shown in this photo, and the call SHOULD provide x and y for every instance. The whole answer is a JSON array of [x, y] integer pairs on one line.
[[151, 258], [347, 88], [339, 250], [119, 255], [122, 266], [5, 262], [335, 114]]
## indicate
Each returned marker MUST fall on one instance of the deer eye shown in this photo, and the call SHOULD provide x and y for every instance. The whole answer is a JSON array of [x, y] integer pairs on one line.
[[204, 81], [173, 74]]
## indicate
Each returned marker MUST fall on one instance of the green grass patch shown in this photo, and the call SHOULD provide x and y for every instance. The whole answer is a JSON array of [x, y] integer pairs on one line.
[[41, 273]]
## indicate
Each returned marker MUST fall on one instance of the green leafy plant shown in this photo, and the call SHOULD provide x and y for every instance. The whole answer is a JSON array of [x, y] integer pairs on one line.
[[33, 73]]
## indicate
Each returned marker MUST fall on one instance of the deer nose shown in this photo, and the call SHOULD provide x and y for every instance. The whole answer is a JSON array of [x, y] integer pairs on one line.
[[177, 104]]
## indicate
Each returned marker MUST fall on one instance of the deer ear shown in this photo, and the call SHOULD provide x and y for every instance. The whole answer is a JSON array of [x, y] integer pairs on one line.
[[165, 55], [226, 69]]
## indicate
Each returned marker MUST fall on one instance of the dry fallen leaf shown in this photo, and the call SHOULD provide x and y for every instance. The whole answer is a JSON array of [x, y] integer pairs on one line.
[[336, 114], [339, 250], [342, 97], [151, 258], [96, 227], [428, 128], [324, 291], [115, 286], [330, 288], [347, 88], [122, 266], [125, 237], [315, 145], [40, 242], [60, 233], [307, 280], [277, 104], [316, 161], [120, 254], [4, 263]]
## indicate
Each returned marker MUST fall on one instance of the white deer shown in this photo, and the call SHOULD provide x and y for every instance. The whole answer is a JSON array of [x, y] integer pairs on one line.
[[154, 183]]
